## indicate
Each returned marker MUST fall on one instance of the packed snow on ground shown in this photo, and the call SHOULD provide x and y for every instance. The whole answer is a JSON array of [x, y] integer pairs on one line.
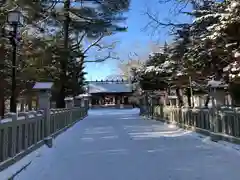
[[112, 111], [119, 145], [11, 171]]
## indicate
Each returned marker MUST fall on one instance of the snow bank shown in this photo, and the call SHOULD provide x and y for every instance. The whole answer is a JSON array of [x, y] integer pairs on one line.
[[221, 144], [11, 170], [206, 139]]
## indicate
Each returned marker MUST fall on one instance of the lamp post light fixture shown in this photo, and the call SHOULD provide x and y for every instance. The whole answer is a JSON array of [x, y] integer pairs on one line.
[[14, 19]]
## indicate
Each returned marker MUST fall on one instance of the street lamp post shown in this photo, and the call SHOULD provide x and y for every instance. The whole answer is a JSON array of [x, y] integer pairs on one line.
[[14, 19]]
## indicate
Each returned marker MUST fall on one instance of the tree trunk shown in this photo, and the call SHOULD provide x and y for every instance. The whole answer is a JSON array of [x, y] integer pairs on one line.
[[22, 107], [60, 103], [207, 101], [2, 106], [29, 103], [234, 92], [179, 96], [189, 97], [168, 92]]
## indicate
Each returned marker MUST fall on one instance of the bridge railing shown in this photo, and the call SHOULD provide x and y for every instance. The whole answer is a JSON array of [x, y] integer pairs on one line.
[[23, 132], [220, 124]]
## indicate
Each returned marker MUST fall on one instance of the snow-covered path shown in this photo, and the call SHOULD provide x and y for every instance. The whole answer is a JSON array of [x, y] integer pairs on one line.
[[118, 145]]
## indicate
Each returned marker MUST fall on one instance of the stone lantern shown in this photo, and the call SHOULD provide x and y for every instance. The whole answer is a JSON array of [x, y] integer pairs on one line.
[[217, 90], [44, 93], [83, 100], [173, 100]]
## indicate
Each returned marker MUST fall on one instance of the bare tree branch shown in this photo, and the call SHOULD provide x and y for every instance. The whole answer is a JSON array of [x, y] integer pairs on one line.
[[78, 41], [95, 43], [81, 38], [155, 19], [109, 56]]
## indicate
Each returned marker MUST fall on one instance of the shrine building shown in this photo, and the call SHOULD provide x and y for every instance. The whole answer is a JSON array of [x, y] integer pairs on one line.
[[110, 93]]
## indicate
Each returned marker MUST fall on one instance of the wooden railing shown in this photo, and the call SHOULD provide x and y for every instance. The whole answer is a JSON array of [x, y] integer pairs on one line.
[[220, 124], [22, 133]]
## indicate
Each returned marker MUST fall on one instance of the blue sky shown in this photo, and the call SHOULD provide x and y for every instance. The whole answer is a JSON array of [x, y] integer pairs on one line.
[[135, 39]]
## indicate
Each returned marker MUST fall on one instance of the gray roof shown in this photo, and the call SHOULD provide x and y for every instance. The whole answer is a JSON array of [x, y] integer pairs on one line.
[[43, 85], [109, 87]]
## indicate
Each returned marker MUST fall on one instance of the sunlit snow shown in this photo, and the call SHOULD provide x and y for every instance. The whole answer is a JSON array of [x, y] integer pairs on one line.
[[117, 144]]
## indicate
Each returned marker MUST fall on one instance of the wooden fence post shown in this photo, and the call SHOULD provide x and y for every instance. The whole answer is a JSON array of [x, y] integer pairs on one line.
[[44, 104], [69, 104], [14, 133]]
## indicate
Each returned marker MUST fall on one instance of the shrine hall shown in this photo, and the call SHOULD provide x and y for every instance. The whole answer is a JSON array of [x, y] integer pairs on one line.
[[110, 93]]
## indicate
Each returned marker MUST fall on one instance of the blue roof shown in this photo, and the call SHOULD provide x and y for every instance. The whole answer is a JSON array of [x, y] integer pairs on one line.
[[109, 87]]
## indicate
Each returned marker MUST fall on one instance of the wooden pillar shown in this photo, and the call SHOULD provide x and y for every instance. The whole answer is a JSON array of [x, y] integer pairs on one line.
[[22, 105], [29, 102], [114, 100], [90, 102], [2, 106], [127, 98], [118, 100]]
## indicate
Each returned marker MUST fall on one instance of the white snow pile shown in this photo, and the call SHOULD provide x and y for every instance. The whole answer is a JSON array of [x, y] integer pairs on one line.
[[152, 69], [228, 17], [179, 73], [237, 54], [233, 6], [229, 146], [233, 69], [166, 67], [230, 45], [207, 16]]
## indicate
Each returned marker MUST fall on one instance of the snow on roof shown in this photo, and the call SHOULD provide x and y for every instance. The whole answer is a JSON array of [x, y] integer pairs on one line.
[[68, 98], [83, 95], [109, 87], [213, 83]]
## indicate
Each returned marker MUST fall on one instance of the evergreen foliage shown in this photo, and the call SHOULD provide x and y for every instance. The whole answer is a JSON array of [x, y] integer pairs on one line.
[[207, 48], [42, 53]]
